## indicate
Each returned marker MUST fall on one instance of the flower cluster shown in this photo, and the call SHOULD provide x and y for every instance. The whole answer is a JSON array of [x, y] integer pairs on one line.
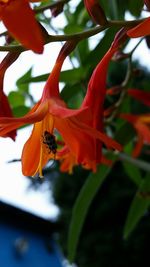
[[81, 130]]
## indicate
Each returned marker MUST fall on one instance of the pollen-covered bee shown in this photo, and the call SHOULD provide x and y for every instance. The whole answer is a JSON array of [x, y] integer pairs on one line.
[[50, 141]]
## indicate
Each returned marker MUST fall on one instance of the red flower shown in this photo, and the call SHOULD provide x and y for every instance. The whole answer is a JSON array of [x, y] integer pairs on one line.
[[5, 109], [19, 19], [94, 100], [51, 113], [141, 124], [95, 11], [142, 29]]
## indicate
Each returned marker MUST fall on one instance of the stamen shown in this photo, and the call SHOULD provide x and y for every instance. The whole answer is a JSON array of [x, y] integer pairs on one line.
[[47, 144], [39, 168]]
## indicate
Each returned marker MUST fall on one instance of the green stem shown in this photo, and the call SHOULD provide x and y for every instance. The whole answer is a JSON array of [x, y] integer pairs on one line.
[[132, 51], [40, 9], [4, 33], [77, 36], [124, 85], [139, 163]]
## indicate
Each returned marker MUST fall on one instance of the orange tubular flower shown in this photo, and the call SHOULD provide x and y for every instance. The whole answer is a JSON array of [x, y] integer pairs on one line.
[[51, 113], [94, 100], [19, 19], [5, 109], [141, 124], [141, 29]]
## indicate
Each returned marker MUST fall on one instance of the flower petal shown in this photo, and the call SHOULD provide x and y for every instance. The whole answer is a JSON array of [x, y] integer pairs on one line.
[[76, 139], [32, 160], [138, 146], [108, 141], [140, 95], [144, 130], [95, 11], [63, 112], [31, 151], [5, 110], [19, 19], [37, 113], [81, 139], [141, 29]]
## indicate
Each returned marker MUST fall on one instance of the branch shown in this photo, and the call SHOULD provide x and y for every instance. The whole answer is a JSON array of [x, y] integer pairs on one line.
[[139, 163], [77, 36], [49, 6], [115, 108]]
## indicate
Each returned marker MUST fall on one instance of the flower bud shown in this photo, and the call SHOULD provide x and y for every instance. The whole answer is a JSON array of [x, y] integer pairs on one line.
[[114, 90], [95, 11]]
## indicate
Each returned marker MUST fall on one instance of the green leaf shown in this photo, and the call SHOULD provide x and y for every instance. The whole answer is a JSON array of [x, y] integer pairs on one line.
[[72, 75], [135, 7], [113, 9], [133, 172], [125, 133], [82, 204], [20, 111], [72, 28], [16, 98], [98, 52], [70, 91], [82, 51], [39, 78], [138, 206], [26, 76], [22, 86]]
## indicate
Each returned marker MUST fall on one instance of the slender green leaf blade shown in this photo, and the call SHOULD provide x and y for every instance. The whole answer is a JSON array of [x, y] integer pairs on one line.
[[133, 172], [82, 204], [26, 76], [72, 75], [135, 7], [138, 206]]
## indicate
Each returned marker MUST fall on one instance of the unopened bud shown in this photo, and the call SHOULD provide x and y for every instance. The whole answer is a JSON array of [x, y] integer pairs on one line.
[[95, 11], [114, 90]]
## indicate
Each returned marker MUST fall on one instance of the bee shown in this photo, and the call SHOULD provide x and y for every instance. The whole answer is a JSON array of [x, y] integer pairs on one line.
[[50, 141]]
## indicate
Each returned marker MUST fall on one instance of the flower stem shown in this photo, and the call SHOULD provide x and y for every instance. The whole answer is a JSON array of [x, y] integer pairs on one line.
[[137, 162], [77, 36], [40, 9]]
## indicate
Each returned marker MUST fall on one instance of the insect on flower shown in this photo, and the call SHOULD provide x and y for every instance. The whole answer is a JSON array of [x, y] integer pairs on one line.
[[50, 113], [50, 141]]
